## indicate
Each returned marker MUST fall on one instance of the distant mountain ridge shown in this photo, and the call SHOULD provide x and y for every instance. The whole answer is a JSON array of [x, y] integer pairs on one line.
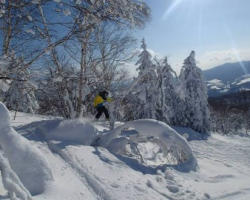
[[228, 78], [227, 72]]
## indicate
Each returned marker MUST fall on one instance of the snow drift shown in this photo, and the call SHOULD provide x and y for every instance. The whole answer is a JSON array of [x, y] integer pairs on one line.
[[77, 131], [151, 143], [25, 160]]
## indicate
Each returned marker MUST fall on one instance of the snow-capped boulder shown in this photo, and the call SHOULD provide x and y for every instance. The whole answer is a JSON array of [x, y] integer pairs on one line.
[[25, 159], [152, 143]]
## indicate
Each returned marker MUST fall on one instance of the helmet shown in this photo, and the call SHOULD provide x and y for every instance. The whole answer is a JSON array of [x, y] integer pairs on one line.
[[104, 94]]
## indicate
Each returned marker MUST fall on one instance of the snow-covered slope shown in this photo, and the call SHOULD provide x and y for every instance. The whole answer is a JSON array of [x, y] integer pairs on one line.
[[241, 84], [216, 87], [228, 78], [92, 172]]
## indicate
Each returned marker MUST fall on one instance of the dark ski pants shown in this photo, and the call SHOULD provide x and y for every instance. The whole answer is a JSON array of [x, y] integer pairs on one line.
[[100, 110]]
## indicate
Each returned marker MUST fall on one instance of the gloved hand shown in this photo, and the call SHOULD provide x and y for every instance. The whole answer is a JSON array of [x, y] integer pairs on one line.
[[105, 103]]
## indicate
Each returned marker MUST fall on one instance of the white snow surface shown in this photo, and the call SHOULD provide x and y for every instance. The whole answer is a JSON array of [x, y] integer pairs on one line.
[[94, 173], [217, 82], [25, 159], [11, 181], [246, 80]]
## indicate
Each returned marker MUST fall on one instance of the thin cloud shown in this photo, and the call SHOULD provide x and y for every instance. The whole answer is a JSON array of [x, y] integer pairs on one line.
[[215, 58]]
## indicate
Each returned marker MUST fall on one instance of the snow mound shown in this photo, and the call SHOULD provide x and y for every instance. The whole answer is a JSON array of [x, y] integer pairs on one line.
[[77, 131], [25, 159], [152, 143], [11, 181]]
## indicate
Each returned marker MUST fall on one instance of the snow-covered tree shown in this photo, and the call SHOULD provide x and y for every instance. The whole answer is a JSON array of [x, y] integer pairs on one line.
[[36, 29], [167, 96], [20, 95], [57, 93], [141, 101], [4, 86], [35, 23], [194, 93], [86, 22]]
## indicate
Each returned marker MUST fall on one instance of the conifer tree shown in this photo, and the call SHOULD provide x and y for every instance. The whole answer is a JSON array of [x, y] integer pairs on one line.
[[196, 112], [167, 96], [142, 99]]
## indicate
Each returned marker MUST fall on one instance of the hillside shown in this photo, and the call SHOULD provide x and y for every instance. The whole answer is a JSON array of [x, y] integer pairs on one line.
[[228, 78], [216, 87]]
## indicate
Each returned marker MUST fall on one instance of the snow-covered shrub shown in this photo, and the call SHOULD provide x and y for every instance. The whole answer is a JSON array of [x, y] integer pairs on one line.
[[151, 143], [11, 182], [25, 160]]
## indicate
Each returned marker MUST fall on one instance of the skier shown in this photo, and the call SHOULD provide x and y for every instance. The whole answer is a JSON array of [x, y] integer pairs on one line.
[[99, 102]]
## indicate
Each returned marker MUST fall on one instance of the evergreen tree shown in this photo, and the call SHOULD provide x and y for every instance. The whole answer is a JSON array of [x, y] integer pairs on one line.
[[141, 101], [169, 102], [194, 94]]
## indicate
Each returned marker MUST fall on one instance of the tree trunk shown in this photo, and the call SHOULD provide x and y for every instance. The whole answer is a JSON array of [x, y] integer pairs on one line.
[[83, 66]]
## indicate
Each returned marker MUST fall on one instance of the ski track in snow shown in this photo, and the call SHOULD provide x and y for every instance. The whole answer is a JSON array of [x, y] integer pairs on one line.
[[96, 174], [65, 176], [101, 186], [82, 172]]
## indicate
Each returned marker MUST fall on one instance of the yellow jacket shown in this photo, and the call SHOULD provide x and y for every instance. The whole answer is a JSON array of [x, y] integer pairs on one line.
[[99, 100]]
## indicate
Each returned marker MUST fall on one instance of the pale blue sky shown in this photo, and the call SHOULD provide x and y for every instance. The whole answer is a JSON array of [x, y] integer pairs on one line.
[[218, 30]]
